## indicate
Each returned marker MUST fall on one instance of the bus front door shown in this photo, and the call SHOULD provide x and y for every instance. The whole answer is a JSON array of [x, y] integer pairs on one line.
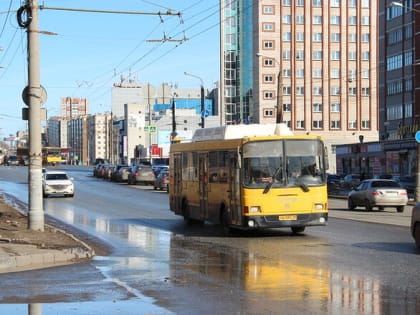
[[234, 189], [203, 184]]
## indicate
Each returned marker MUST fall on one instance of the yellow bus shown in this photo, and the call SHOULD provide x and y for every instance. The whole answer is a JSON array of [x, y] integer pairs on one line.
[[250, 177], [50, 155]]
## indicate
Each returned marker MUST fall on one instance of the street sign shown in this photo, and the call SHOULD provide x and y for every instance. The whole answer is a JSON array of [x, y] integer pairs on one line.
[[418, 136], [205, 113]]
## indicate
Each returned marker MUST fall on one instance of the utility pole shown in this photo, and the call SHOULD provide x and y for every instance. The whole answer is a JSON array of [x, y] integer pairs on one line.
[[33, 93], [202, 109]]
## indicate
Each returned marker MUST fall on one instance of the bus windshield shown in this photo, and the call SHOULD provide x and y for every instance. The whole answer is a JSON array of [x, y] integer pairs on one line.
[[283, 163]]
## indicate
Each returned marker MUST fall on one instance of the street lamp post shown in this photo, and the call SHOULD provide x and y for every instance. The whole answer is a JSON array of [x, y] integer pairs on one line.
[[202, 96], [279, 113]]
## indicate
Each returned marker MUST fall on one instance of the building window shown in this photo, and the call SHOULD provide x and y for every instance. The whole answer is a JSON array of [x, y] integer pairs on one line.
[[352, 37], [300, 36], [365, 91], [352, 3], [268, 112], [365, 20], [352, 91], [365, 37], [335, 3], [268, 9], [335, 37], [365, 74], [335, 107], [365, 55], [317, 37], [365, 124], [335, 90], [335, 73], [300, 3], [352, 124], [287, 36], [335, 55], [300, 73], [287, 90], [317, 124], [317, 90], [352, 55], [353, 20], [300, 124], [286, 54], [335, 20], [300, 19], [287, 107], [287, 3], [317, 19], [268, 44], [300, 54], [286, 73], [268, 27], [287, 19], [268, 78], [317, 73], [316, 3], [317, 108], [268, 62], [268, 95], [317, 55], [335, 124], [300, 90]]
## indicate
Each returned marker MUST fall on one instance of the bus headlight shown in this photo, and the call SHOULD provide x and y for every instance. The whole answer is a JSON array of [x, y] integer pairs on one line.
[[254, 209], [319, 206]]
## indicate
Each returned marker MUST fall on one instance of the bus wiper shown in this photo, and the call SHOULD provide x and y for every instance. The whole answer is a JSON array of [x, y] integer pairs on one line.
[[268, 186], [304, 187]]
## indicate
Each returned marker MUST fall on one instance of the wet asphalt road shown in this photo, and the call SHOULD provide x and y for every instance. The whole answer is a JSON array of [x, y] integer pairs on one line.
[[158, 265]]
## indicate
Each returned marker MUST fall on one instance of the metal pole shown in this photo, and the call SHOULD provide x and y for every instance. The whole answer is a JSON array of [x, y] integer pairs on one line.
[[202, 106], [36, 211], [279, 115], [417, 196]]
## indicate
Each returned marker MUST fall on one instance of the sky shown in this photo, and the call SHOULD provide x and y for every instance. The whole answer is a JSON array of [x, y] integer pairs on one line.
[[82, 54]]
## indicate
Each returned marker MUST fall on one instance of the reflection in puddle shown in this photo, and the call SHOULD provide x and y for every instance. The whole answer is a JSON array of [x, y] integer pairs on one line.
[[310, 288]]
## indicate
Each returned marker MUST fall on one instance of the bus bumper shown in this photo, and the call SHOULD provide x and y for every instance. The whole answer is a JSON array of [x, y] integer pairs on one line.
[[279, 221]]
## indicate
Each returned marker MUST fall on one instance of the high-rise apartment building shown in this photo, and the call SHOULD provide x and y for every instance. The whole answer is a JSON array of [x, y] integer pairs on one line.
[[313, 65], [73, 107]]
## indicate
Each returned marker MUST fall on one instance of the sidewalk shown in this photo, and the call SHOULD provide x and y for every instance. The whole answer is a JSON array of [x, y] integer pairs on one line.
[[20, 257]]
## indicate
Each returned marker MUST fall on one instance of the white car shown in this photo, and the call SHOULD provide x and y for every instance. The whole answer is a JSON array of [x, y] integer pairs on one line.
[[57, 183]]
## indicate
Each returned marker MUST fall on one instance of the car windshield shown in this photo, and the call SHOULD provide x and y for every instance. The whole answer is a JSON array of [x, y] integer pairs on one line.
[[56, 176], [381, 183]]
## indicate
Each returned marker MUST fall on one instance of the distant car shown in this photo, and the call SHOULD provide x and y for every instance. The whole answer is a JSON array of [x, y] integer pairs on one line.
[[142, 174], [122, 174], [415, 224], [57, 183], [12, 160], [409, 183], [162, 180], [158, 167], [379, 193], [351, 180]]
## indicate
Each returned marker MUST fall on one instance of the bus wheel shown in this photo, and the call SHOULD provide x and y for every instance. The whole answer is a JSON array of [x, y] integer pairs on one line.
[[225, 223], [186, 212], [298, 229]]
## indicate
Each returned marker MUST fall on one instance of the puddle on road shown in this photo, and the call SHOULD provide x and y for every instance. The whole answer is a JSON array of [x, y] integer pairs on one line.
[[128, 307]]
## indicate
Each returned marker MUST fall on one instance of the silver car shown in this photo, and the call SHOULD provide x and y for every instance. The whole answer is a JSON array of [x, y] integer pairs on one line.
[[415, 224], [380, 193]]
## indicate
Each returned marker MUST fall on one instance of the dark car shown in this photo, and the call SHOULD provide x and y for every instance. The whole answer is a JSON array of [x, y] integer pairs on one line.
[[409, 183], [162, 180], [415, 224]]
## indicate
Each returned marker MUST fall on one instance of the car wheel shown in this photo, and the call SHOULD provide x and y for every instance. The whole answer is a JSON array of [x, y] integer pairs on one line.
[[154, 187], [368, 206], [350, 204], [400, 209], [297, 229], [381, 208]]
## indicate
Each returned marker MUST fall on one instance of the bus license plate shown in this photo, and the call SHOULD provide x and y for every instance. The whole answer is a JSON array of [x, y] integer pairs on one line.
[[287, 217]]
